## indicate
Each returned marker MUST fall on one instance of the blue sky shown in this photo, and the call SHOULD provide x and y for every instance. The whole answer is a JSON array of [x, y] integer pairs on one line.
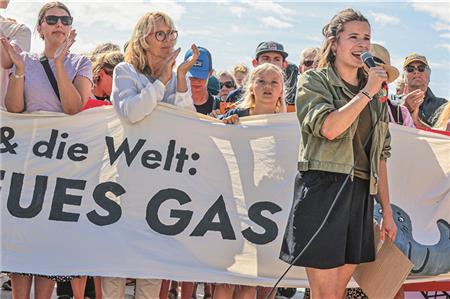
[[231, 30]]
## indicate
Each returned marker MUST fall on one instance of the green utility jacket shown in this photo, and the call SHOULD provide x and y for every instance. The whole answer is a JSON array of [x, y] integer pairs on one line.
[[321, 92]]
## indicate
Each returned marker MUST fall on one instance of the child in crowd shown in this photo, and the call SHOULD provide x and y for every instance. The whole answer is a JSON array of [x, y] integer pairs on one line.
[[264, 95]]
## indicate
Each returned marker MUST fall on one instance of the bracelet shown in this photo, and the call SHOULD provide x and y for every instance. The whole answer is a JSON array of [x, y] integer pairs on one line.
[[366, 94], [18, 76]]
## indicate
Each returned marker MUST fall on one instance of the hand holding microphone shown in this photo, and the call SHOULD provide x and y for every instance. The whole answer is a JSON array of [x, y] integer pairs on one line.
[[377, 75]]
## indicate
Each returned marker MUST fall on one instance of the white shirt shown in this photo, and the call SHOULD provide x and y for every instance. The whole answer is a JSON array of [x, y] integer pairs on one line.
[[20, 36], [135, 95]]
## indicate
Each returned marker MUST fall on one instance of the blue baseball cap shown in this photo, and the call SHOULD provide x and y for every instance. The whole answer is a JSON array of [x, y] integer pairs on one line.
[[202, 66]]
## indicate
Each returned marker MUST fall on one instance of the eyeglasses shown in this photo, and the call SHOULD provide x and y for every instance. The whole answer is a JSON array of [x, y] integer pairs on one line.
[[308, 63], [162, 36], [420, 68], [227, 84], [65, 20]]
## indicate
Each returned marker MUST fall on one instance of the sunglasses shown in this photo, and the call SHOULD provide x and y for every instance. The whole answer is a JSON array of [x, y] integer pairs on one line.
[[421, 68], [227, 84], [308, 63], [162, 36], [65, 20]]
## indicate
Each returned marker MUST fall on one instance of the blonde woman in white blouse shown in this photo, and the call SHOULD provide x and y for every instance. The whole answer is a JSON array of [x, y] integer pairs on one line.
[[147, 77]]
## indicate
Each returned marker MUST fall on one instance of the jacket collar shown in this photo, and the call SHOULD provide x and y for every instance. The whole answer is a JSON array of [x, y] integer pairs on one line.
[[335, 80]]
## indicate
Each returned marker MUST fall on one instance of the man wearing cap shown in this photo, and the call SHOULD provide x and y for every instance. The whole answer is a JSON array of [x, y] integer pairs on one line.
[[199, 74], [266, 52], [418, 98]]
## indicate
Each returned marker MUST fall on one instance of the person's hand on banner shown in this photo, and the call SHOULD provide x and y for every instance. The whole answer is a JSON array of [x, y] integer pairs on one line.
[[231, 120]]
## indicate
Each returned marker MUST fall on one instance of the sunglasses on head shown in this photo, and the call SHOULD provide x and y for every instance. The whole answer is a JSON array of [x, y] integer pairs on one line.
[[227, 84], [308, 63], [65, 20], [421, 68]]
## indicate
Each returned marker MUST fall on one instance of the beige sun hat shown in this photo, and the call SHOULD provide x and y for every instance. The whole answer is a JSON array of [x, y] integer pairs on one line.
[[380, 53]]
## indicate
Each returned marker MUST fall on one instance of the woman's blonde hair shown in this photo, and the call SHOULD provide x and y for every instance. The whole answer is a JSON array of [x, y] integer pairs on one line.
[[105, 61], [331, 33], [249, 97], [137, 45], [47, 6], [444, 117], [240, 68]]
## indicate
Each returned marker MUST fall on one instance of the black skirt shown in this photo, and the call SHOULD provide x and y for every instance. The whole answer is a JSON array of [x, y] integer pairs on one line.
[[346, 238]]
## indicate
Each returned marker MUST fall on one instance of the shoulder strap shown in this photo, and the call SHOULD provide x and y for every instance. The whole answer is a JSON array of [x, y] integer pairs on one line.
[[50, 75]]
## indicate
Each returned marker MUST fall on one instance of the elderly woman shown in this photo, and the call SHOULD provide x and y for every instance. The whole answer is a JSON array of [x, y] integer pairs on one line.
[[53, 81]]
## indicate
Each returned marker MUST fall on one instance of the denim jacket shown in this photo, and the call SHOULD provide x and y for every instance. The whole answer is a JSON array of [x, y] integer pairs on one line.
[[321, 92]]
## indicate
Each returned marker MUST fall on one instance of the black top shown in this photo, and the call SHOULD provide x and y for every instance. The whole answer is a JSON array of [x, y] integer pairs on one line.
[[208, 106], [429, 107], [362, 135]]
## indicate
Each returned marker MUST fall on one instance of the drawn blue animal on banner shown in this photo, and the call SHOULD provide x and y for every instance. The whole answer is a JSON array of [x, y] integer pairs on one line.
[[427, 259]]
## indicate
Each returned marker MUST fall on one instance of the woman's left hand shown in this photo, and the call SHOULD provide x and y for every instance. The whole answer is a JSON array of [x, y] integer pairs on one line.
[[64, 49], [187, 65], [388, 227]]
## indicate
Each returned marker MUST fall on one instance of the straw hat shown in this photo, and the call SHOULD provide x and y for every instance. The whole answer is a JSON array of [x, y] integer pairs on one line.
[[380, 53]]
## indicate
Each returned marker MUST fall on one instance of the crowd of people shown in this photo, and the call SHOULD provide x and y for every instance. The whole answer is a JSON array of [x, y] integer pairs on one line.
[[331, 89]]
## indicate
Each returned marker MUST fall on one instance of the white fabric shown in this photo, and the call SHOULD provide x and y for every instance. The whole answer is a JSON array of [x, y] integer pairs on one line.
[[20, 36], [241, 166], [134, 96]]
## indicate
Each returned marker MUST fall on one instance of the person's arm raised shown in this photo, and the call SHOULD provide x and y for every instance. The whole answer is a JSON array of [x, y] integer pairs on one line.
[[73, 95], [14, 99], [341, 119]]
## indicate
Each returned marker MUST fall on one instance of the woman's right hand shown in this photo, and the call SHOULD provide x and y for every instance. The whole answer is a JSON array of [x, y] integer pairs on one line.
[[231, 120], [164, 72], [215, 113], [377, 75], [13, 55]]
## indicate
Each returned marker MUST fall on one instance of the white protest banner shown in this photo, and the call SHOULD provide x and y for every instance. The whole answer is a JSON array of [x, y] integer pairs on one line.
[[177, 196]]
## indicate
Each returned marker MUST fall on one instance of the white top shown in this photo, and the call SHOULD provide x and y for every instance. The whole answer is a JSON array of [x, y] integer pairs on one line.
[[134, 95], [20, 36]]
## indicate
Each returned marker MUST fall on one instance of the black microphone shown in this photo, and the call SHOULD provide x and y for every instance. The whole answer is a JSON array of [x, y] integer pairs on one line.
[[367, 58]]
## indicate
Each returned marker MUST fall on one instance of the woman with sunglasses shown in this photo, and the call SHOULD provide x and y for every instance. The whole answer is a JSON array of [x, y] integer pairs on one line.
[[146, 77], [344, 132], [73, 75], [71, 72], [227, 84]]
